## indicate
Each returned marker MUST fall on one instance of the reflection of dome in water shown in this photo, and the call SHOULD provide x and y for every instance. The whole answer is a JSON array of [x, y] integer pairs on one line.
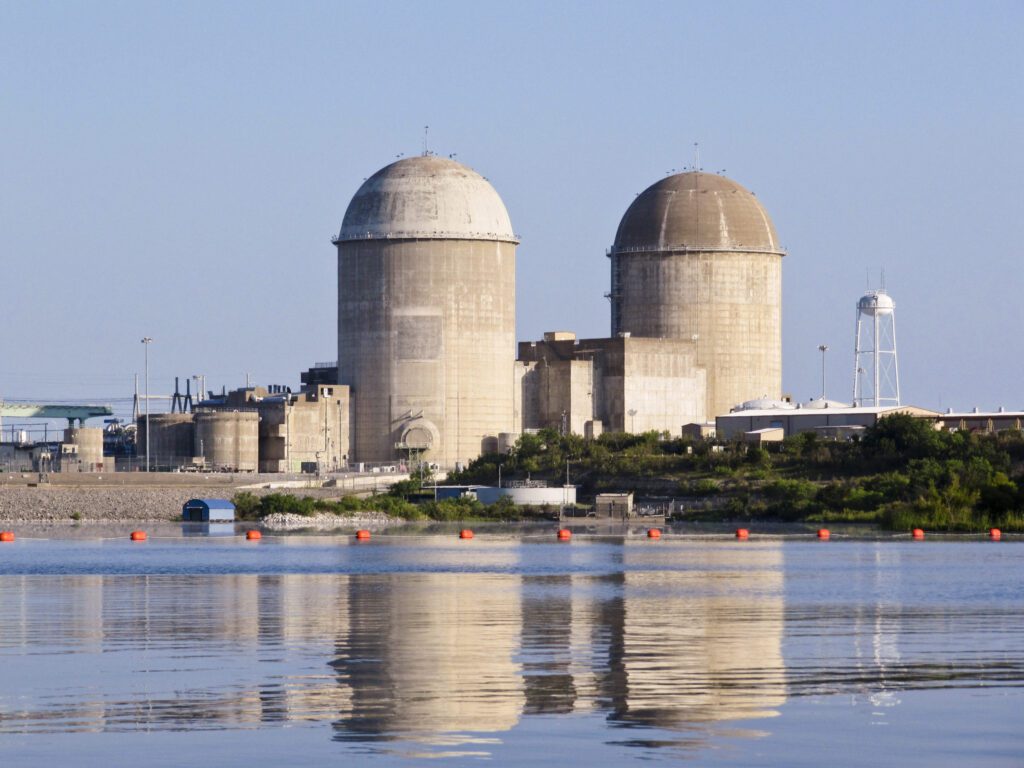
[[701, 650], [434, 653]]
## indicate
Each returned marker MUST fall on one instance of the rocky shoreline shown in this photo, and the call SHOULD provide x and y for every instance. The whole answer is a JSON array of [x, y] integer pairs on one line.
[[326, 521], [127, 504]]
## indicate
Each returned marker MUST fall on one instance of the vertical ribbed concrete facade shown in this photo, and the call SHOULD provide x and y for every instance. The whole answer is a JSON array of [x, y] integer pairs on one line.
[[696, 258], [426, 312]]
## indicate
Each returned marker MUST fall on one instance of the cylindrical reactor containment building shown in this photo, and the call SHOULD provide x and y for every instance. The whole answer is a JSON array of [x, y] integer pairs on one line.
[[426, 312], [697, 258]]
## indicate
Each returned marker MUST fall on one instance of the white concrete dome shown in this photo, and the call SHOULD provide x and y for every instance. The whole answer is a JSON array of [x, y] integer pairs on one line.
[[427, 197]]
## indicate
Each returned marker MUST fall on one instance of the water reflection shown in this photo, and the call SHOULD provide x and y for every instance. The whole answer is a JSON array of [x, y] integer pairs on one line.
[[676, 638]]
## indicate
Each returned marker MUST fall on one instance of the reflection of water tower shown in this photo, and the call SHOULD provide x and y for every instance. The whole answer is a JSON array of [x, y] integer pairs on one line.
[[876, 378]]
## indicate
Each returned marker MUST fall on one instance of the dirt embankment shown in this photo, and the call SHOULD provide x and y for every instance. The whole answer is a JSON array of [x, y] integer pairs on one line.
[[62, 504]]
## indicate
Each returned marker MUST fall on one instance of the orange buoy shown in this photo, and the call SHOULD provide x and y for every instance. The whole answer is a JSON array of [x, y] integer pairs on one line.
[[917, 533], [653, 533], [465, 533], [824, 534], [995, 534], [362, 535], [138, 536], [253, 535], [742, 533], [564, 534], [6, 535]]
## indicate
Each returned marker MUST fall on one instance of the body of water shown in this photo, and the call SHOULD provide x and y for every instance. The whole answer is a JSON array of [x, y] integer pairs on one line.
[[511, 648]]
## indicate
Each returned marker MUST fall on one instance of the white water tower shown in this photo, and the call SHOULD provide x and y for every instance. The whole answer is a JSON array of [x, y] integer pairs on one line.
[[876, 378]]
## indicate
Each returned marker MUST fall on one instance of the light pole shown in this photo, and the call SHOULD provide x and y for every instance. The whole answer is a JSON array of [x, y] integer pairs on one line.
[[632, 421], [146, 341], [823, 348]]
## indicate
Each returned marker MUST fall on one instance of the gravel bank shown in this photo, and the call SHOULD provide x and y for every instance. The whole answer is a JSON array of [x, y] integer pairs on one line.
[[127, 504]]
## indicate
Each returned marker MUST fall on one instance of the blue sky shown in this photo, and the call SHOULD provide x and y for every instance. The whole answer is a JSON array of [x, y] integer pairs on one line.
[[177, 170]]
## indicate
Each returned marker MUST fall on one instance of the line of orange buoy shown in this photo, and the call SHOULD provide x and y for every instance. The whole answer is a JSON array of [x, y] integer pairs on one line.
[[564, 534], [362, 535], [917, 533], [653, 533], [823, 534], [465, 533], [6, 535], [137, 536], [253, 535], [995, 534], [742, 533]]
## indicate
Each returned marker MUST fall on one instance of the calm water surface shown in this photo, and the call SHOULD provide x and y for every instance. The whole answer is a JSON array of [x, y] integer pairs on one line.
[[512, 649]]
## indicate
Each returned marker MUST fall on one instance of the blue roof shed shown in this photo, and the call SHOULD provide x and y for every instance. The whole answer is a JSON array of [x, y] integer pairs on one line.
[[208, 510]]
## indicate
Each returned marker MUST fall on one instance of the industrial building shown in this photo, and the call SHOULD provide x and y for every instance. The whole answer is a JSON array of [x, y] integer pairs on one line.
[[254, 430], [982, 421], [835, 420], [427, 365], [622, 384], [696, 310], [426, 312], [426, 317], [696, 258]]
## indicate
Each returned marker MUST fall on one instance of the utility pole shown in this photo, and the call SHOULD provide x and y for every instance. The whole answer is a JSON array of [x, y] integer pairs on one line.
[[146, 341], [823, 348]]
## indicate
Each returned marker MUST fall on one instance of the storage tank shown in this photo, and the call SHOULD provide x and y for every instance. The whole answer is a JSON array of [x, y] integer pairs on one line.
[[228, 440], [89, 442], [171, 439], [426, 312], [697, 258]]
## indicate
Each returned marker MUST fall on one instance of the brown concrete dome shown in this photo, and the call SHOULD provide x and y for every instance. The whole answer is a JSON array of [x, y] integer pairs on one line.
[[696, 211]]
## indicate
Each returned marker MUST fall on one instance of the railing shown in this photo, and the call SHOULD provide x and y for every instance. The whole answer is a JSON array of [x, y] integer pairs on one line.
[[691, 249], [426, 235]]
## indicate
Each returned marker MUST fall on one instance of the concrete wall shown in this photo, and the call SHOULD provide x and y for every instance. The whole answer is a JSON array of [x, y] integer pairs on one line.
[[308, 428], [728, 303], [605, 379], [426, 334]]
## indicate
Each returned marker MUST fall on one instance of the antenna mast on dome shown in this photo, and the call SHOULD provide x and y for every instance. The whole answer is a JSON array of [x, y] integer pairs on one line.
[[426, 132], [696, 156]]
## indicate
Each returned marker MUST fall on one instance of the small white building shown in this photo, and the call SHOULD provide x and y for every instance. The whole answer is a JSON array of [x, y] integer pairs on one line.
[[559, 496], [829, 420]]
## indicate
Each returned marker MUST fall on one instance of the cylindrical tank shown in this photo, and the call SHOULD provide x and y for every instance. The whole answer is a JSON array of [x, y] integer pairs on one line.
[[171, 438], [426, 312], [228, 440], [697, 258], [89, 441]]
